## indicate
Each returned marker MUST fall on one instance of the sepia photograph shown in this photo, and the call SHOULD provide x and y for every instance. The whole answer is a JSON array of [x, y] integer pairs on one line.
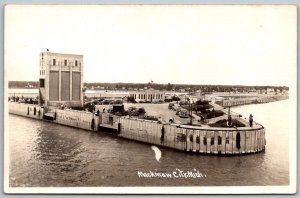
[[150, 99]]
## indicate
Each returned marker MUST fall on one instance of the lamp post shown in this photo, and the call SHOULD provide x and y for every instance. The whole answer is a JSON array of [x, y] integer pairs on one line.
[[191, 109], [229, 105], [229, 116]]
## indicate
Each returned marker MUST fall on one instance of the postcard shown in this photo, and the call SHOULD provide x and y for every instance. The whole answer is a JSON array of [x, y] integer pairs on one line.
[[150, 99]]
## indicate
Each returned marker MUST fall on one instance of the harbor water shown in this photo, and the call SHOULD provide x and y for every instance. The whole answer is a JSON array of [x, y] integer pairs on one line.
[[43, 154]]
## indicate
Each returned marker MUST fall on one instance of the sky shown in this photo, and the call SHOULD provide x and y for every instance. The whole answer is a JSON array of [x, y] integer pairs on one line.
[[220, 45]]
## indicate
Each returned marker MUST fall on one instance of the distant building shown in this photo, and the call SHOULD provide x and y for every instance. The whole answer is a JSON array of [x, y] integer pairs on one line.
[[148, 95], [115, 95], [270, 91], [61, 79], [26, 93]]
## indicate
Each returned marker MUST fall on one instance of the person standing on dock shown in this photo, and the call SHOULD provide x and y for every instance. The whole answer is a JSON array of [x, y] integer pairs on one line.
[[250, 120]]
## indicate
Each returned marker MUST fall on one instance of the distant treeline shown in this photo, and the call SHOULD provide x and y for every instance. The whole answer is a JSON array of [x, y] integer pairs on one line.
[[23, 84], [167, 87]]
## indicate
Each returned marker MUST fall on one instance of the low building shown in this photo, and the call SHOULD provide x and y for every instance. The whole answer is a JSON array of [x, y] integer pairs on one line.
[[115, 95], [147, 95]]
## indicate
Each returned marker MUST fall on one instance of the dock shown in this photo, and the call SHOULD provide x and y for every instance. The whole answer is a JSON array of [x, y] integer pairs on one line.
[[188, 138]]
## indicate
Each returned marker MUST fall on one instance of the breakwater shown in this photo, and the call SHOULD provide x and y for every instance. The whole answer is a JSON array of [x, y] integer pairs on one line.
[[195, 139], [210, 140], [252, 100]]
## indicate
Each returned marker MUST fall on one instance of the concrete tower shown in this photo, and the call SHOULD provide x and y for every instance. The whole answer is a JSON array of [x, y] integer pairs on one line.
[[61, 79]]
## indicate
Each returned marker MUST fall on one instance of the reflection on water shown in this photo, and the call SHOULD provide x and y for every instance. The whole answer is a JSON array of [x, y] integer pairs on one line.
[[46, 154]]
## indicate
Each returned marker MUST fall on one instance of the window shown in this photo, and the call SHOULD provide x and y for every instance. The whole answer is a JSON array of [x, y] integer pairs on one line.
[[219, 140], [191, 138], [198, 139], [42, 82], [54, 61], [65, 62], [205, 141], [227, 140], [212, 141], [76, 63]]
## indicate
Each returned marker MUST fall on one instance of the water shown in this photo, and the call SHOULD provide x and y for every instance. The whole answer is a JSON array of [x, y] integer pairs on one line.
[[43, 154]]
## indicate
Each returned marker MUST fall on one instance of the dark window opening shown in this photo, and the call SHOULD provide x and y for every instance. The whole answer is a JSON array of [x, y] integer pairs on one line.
[[227, 140], [219, 140], [65, 62], [198, 140], [205, 141], [76, 63], [42, 82], [238, 140], [191, 138], [54, 61], [212, 141]]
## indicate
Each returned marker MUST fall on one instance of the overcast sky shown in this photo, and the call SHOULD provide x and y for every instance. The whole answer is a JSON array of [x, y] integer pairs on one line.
[[230, 45]]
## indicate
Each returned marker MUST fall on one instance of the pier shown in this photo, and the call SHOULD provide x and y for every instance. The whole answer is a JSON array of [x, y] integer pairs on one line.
[[189, 138], [251, 100]]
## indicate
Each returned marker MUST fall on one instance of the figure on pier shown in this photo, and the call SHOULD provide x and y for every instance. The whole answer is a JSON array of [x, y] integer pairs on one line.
[[251, 120]]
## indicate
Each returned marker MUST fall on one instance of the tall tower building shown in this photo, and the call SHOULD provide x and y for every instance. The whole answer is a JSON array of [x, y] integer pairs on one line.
[[61, 79]]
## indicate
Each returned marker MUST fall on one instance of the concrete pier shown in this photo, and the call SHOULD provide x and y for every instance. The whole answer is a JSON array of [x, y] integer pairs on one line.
[[189, 138], [253, 100]]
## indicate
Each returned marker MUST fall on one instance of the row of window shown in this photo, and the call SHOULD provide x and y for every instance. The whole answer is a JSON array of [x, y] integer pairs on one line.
[[42, 72], [66, 62], [212, 140], [144, 96]]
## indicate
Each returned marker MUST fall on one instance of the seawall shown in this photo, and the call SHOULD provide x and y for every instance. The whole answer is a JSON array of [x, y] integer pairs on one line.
[[253, 100], [209, 140], [195, 139]]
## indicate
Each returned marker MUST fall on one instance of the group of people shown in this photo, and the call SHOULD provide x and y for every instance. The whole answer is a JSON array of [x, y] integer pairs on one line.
[[229, 122]]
